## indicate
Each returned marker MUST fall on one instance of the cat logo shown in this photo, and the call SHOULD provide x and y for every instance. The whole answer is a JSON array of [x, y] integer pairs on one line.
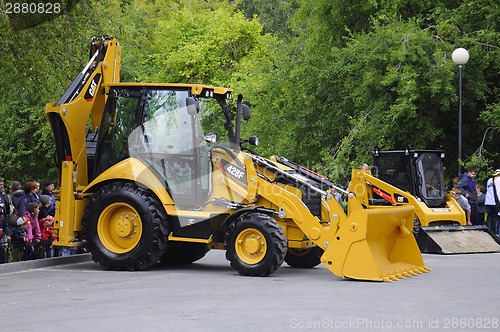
[[400, 199], [90, 94]]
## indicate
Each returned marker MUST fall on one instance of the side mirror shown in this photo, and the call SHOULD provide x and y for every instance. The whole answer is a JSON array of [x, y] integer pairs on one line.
[[193, 105], [210, 138], [246, 112]]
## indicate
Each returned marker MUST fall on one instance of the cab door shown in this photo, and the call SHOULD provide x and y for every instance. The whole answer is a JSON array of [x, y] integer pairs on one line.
[[153, 124]]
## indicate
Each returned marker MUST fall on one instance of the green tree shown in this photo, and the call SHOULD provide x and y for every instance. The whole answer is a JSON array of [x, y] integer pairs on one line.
[[38, 63], [203, 43], [273, 15]]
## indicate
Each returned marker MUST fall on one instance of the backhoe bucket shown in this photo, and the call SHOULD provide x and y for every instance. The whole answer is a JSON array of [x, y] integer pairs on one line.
[[457, 240], [375, 244]]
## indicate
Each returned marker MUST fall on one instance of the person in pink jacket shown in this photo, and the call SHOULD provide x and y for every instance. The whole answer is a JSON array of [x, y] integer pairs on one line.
[[33, 231]]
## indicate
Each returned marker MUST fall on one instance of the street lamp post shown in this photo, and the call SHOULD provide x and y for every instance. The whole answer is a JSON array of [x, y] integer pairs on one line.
[[460, 56]]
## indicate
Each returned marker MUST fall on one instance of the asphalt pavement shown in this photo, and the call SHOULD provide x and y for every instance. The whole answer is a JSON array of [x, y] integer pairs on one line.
[[75, 294]]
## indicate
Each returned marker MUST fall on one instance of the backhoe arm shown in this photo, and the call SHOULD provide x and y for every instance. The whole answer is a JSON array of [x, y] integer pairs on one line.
[[84, 99], [80, 106]]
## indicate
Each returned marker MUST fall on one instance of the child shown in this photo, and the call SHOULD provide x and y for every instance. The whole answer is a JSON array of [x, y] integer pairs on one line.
[[48, 236], [44, 209], [18, 239], [34, 234]]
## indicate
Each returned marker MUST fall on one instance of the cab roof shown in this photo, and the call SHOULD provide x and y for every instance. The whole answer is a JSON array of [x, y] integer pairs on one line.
[[196, 89]]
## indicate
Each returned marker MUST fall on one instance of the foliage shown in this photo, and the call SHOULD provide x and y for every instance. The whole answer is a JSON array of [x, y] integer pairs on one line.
[[204, 45], [273, 15], [38, 63], [27, 146]]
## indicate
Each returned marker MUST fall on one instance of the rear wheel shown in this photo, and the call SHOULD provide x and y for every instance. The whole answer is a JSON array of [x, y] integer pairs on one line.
[[304, 258], [183, 253], [125, 227], [255, 245]]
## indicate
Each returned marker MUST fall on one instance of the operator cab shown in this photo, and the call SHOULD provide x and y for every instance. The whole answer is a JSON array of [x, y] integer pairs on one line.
[[420, 172], [159, 126], [162, 125]]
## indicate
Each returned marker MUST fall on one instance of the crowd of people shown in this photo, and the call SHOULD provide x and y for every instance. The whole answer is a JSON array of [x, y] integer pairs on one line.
[[26, 221], [480, 203]]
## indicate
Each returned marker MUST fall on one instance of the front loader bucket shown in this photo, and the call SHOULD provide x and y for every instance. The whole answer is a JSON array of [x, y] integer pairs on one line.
[[375, 244], [457, 240]]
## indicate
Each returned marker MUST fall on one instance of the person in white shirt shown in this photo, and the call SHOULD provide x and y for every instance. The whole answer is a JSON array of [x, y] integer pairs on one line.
[[490, 202]]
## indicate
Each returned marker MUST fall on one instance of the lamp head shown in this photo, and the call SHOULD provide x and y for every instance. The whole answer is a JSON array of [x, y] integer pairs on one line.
[[460, 56]]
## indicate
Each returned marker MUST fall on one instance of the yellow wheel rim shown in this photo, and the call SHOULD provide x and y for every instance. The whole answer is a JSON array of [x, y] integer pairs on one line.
[[119, 228], [250, 246]]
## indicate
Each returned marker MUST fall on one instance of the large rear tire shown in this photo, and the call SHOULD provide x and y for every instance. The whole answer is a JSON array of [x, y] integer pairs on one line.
[[125, 227], [304, 258], [179, 253], [255, 245]]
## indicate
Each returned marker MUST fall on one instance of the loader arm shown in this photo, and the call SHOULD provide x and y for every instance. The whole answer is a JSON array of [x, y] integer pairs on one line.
[[368, 244], [364, 184]]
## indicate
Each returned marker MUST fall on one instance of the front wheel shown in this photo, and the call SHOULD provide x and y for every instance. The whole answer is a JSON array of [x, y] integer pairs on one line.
[[255, 245], [125, 227]]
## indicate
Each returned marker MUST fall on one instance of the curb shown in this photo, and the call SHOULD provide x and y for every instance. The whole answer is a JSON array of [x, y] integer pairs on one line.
[[45, 262]]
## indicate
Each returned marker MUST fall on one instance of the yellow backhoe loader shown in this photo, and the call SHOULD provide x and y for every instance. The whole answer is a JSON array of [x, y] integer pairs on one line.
[[144, 180]]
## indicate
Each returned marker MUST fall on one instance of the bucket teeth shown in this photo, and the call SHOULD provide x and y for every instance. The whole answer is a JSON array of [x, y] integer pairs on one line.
[[411, 272], [389, 277], [420, 269], [404, 273]]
